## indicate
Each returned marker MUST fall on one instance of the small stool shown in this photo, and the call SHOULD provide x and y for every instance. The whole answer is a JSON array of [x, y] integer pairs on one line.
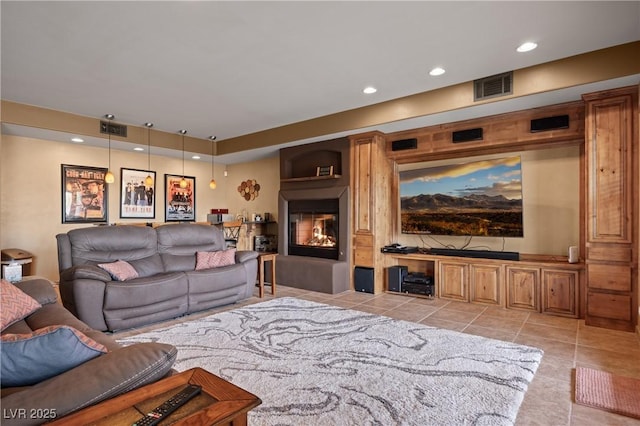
[[266, 257]]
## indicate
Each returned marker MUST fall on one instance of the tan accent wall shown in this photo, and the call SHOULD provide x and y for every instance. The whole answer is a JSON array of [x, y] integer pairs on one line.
[[30, 191]]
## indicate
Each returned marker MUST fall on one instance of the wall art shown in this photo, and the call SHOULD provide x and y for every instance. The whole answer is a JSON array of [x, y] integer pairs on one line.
[[85, 194]]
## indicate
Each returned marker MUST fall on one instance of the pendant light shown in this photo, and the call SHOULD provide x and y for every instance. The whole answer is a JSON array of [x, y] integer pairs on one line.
[[212, 184], [109, 177], [183, 181], [148, 180]]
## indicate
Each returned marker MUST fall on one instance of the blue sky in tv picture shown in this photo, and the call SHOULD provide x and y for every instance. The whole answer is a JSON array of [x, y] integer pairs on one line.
[[480, 198]]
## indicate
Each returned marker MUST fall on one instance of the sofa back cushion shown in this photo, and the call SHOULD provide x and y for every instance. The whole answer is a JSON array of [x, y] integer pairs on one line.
[[187, 239], [90, 246]]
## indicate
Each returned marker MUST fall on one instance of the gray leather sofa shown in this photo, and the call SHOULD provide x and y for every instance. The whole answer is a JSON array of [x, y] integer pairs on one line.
[[120, 370], [168, 284]]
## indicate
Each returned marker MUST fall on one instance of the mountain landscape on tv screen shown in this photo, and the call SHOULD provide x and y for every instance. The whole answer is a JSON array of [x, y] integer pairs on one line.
[[483, 199]]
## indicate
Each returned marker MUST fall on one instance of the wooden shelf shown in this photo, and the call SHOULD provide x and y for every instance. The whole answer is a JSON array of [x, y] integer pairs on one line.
[[310, 178]]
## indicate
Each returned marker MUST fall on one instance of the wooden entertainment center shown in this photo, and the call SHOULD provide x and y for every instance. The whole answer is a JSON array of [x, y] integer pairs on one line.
[[602, 287]]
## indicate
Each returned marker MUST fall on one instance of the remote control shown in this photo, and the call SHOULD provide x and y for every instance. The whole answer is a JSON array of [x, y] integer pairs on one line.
[[169, 406]]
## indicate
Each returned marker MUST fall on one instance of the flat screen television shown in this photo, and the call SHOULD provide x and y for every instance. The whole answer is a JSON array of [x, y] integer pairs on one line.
[[479, 198]]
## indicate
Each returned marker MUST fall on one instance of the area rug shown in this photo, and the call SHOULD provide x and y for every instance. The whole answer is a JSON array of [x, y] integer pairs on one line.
[[314, 364], [609, 392]]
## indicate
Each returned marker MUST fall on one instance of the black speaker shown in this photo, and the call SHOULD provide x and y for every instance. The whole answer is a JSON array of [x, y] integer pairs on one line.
[[467, 135], [550, 123], [395, 275], [363, 279], [404, 144]]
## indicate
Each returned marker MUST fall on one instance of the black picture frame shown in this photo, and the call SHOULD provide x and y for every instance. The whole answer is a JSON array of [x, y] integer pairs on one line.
[[137, 199], [180, 203], [85, 194]]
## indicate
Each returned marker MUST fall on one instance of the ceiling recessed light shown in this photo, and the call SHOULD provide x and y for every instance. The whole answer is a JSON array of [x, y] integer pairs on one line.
[[436, 71], [77, 140], [196, 157], [369, 90], [137, 148], [526, 47]]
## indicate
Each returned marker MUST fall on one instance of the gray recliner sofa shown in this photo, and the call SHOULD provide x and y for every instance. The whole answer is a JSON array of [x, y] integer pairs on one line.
[[118, 371], [168, 284]]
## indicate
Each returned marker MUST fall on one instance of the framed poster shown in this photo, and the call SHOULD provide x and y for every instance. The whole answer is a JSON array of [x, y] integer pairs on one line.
[[136, 197], [180, 203], [85, 194]]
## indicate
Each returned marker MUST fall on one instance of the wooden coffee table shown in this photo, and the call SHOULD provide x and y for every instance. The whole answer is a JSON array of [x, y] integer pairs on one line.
[[219, 403]]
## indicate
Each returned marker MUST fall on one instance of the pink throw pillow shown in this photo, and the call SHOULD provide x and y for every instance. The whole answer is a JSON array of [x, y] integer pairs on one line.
[[15, 304], [215, 259], [120, 270]]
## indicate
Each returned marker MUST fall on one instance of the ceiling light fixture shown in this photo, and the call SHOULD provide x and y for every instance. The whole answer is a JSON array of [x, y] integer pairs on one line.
[[137, 148], [183, 181], [436, 71], [369, 90], [527, 47], [212, 183], [148, 180], [77, 140], [195, 157], [109, 177]]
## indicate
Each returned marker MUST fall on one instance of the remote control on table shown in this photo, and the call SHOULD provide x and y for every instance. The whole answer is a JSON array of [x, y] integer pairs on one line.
[[169, 406]]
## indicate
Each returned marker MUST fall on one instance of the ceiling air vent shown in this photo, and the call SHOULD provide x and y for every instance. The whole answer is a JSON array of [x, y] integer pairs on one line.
[[114, 129], [494, 86]]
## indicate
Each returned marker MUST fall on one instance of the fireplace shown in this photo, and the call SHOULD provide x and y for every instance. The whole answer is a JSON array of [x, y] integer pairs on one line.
[[314, 214], [313, 228]]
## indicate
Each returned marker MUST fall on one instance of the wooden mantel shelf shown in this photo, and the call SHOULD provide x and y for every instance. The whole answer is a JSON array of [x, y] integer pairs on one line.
[[310, 178]]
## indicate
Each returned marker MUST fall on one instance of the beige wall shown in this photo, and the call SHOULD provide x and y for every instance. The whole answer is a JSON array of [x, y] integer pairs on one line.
[[551, 206], [30, 198], [30, 203]]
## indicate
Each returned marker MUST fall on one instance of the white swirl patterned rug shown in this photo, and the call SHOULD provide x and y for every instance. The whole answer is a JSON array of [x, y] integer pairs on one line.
[[314, 364]]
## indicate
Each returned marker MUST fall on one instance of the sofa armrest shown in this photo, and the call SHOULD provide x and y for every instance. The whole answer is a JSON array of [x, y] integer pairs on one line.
[[94, 381], [40, 289], [245, 255], [89, 272], [82, 289]]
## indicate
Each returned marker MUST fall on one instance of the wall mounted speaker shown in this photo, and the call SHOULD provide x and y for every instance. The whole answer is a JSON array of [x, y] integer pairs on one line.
[[550, 123], [403, 144], [467, 135]]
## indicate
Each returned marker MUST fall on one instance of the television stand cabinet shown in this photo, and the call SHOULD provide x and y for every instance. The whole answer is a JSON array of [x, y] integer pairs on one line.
[[536, 283]]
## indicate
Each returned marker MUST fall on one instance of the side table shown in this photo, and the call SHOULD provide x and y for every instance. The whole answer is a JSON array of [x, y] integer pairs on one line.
[[219, 403], [262, 258]]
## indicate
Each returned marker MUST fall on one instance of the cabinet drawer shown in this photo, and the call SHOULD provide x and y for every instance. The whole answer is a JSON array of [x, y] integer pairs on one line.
[[363, 256], [609, 277], [609, 252], [610, 306], [363, 240]]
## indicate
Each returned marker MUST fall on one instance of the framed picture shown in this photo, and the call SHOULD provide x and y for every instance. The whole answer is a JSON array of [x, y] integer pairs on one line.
[[85, 194], [324, 171], [180, 203], [136, 197]]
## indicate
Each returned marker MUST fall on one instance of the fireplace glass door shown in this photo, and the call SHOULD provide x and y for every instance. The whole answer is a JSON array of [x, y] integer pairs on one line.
[[313, 228]]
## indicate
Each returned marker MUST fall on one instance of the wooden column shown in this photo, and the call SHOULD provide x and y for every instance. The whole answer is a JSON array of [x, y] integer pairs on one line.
[[371, 174], [612, 208]]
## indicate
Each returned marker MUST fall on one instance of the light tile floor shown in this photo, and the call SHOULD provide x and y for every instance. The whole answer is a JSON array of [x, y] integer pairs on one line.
[[567, 343]]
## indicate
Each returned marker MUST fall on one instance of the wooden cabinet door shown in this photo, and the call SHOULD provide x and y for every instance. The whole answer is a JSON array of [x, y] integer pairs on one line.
[[453, 280], [486, 283], [523, 288], [609, 130], [560, 292]]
